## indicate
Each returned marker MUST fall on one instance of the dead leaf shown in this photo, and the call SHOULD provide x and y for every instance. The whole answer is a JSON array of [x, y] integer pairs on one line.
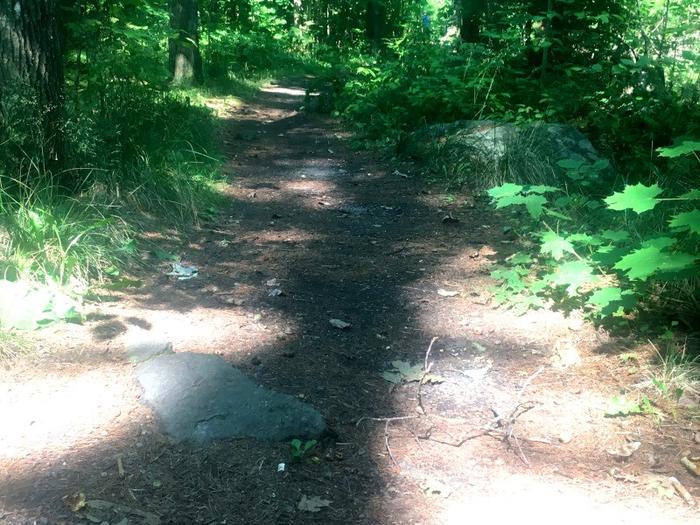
[[75, 501], [273, 282], [276, 293], [625, 450], [449, 219], [403, 371], [447, 293], [313, 504], [340, 324]]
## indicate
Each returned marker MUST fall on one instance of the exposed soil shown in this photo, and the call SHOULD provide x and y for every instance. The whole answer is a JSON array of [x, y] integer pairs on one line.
[[514, 432]]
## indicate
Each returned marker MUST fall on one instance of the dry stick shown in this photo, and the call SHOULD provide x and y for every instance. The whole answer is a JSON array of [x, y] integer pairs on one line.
[[387, 420], [386, 443], [398, 418], [510, 422], [500, 421], [426, 370]]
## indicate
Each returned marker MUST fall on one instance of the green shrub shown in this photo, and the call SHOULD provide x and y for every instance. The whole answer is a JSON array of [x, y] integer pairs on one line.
[[636, 249]]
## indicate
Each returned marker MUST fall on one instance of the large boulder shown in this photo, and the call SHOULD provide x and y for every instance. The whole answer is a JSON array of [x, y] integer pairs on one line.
[[484, 153]]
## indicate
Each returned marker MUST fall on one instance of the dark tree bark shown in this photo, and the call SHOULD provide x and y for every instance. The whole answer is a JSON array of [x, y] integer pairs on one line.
[[185, 58], [375, 23], [31, 64], [470, 12]]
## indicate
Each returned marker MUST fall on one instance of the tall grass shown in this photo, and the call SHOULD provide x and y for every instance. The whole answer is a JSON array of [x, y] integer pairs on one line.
[[144, 155]]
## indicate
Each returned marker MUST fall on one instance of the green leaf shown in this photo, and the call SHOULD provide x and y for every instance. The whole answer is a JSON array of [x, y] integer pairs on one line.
[[609, 300], [519, 258], [600, 164], [509, 200], [572, 274], [615, 235], [521, 304], [621, 406], [403, 371], [504, 190], [570, 164], [540, 189], [584, 238], [557, 215], [692, 195], [510, 276], [689, 220], [644, 262], [684, 148], [555, 245], [659, 242], [638, 198], [534, 205]]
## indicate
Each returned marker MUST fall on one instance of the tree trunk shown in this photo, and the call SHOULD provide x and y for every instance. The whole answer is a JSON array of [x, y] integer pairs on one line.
[[185, 58], [374, 23], [31, 63], [470, 12]]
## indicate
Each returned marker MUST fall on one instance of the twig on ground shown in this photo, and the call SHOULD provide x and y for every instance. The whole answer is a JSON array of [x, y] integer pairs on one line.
[[386, 420], [398, 418], [427, 366], [386, 443], [427, 355]]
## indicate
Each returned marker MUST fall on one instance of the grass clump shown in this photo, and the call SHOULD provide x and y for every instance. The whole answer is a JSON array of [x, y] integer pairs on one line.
[[144, 157]]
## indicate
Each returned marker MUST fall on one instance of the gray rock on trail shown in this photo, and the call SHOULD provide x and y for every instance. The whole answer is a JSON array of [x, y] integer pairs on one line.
[[200, 397], [142, 349]]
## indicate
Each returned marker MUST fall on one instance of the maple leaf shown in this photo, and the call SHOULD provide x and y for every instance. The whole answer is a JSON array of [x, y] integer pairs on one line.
[[505, 190], [644, 262], [534, 204], [610, 299], [685, 147], [689, 220], [692, 195], [573, 274], [638, 198], [555, 245]]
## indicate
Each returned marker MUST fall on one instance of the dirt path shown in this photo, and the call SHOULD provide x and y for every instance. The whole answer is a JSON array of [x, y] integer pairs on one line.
[[315, 231]]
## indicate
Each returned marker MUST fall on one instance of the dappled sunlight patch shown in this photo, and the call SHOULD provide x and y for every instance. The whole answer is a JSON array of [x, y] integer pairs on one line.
[[278, 90], [234, 330], [223, 107], [524, 498], [52, 414], [309, 187], [286, 235]]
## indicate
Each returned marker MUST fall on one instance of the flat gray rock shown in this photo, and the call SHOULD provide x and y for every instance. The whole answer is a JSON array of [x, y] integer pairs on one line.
[[200, 397], [142, 349]]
